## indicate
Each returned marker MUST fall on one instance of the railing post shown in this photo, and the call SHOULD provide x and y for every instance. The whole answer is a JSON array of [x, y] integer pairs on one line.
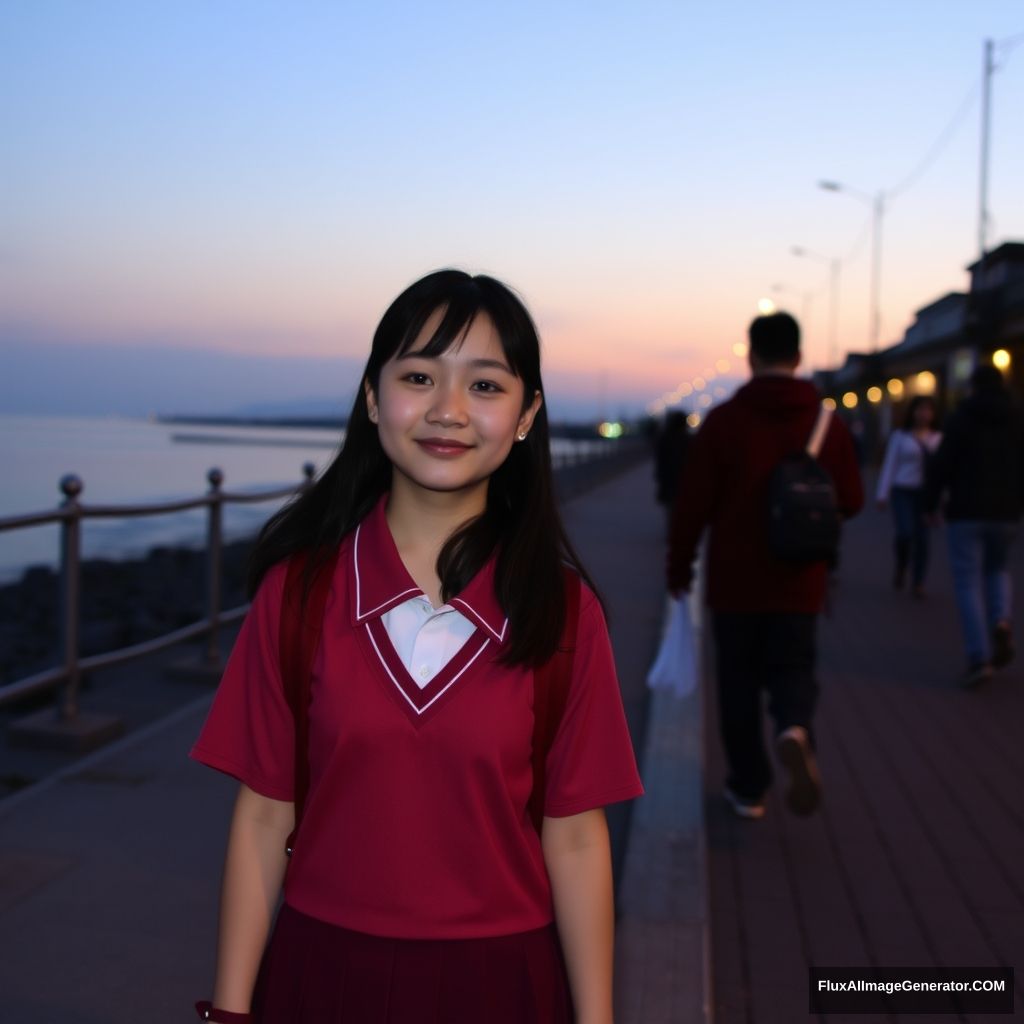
[[70, 593], [214, 543]]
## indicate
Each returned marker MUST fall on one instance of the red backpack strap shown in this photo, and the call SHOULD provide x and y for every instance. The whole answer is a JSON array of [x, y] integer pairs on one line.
[[301, 627], [551, 683]]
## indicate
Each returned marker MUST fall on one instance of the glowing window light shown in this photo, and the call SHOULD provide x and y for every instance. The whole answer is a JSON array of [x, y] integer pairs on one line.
[[1001, 359], [610, 429], [723, 365], [693, 420], [895, 387], [699, 384], [829, 403], [874, 395], [739, 350], [924, 383], [685, 390], [850, 400], [765, 307]]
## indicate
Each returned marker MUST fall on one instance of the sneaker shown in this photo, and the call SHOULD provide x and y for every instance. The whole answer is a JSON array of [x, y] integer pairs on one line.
[[793, 747], [1002, 645], [744, 807], [979, 673]]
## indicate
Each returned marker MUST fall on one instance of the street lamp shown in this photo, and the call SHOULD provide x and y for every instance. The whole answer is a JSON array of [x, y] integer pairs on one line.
[[877, 204], [834, 266]]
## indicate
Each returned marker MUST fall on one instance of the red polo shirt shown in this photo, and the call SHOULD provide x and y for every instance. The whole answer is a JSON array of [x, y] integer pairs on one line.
[[416, 823]]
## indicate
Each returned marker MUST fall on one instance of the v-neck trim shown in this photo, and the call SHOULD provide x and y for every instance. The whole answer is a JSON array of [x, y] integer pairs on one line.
[[419, 703]]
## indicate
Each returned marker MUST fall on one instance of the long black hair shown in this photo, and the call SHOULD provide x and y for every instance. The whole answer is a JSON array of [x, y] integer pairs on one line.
[[521, 520]]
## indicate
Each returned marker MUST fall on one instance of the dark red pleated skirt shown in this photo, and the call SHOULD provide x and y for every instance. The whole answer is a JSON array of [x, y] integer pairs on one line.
[[317, 973]]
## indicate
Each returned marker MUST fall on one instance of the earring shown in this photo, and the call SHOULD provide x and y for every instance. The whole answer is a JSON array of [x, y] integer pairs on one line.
[[522, 436]]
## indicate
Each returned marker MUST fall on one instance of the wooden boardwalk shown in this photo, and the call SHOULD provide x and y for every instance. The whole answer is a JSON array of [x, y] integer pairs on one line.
[[917, 857]]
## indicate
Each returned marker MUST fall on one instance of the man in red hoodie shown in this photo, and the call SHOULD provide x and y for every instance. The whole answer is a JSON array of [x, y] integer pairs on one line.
[[763, 610]]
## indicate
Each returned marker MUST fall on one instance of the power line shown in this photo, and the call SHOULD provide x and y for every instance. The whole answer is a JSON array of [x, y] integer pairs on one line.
[[1010, 43], [939, 145], [1004, 48]]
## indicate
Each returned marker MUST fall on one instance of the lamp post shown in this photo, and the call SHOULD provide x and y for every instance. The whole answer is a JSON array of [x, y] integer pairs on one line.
[[834, 267], [877, 204]]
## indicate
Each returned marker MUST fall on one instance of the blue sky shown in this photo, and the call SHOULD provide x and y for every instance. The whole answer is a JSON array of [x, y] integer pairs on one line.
[[260, 179]]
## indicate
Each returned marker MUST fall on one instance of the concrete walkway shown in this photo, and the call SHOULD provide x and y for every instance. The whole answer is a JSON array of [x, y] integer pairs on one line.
[[109, 871]]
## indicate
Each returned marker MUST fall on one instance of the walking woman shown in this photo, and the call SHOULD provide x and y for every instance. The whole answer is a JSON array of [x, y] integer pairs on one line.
[[901, 484], [450, 860]]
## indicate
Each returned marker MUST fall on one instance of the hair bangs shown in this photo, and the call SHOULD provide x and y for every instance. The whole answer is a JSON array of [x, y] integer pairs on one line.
[[462, 299], [460, 310]]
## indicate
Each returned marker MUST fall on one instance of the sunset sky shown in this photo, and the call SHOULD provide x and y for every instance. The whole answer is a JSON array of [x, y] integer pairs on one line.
[[219, 180]]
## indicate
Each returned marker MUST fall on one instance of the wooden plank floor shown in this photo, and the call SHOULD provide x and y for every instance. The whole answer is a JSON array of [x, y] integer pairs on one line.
[[917, 857]]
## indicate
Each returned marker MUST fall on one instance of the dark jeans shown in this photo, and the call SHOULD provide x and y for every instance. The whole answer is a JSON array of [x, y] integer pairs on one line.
[[773, 652], [911, 532], [979, 555]]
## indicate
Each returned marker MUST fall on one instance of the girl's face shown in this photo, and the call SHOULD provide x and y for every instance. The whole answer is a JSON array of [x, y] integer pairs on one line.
[[447, 422]]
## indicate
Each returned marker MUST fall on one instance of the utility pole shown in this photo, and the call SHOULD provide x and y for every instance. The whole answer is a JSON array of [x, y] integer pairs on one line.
[[986, 117], [877, 211]]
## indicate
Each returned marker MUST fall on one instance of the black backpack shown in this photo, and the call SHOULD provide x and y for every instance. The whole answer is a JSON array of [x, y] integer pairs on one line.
[[803, 514]]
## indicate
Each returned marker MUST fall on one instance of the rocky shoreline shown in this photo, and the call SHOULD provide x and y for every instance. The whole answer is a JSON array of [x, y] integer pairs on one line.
[[122, 603]]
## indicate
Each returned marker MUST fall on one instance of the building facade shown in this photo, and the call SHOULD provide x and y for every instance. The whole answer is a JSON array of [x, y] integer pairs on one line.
[[938, 352]]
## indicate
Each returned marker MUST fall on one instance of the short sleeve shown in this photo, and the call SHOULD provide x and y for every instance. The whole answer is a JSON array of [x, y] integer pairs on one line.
[[250, 730], [591, 761]]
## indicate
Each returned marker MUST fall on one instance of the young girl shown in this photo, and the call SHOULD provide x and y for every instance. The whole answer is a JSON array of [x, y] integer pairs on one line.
[[419, 889], [901, 484]]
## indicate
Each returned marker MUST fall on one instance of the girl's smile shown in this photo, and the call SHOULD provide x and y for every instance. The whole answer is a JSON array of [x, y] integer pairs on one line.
[[441, 447]]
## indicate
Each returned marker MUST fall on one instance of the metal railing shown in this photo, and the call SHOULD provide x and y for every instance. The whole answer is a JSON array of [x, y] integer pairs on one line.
[[69, 515]]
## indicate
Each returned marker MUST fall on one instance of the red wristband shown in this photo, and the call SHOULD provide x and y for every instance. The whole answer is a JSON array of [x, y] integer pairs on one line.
[[207, 1011]]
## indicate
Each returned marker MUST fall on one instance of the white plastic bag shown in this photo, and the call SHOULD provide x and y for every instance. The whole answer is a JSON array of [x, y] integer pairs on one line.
[[675, 667]]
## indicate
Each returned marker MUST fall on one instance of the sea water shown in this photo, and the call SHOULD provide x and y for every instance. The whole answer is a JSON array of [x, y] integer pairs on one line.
[[138, 462]]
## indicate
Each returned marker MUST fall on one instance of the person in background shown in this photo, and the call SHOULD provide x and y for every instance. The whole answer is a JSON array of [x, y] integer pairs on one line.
[[669, 455], [980, 466], [901, 485], [764, 610]]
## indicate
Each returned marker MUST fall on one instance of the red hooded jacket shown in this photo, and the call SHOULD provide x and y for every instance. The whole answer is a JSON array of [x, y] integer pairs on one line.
[[724, 487]]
